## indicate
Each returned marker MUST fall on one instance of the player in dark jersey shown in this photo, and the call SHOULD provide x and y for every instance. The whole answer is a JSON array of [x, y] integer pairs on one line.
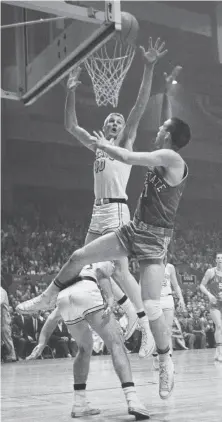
[[147, 236], [211, 286]]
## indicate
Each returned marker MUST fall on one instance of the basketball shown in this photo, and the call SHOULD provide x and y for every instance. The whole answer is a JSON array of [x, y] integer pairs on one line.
[[130, 28]]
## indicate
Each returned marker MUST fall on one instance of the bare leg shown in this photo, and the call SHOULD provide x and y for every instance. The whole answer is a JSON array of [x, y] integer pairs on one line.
[[109, 331], [105, 248], [129, 307], [151, 281], [216, 316], [152, 275], [83, 337], [169, 315]]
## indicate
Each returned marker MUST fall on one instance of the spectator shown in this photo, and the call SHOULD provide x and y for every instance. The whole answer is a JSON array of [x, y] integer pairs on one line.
[[62, 341], [198, 330], [6, 334], [177, 335], [189, 337]]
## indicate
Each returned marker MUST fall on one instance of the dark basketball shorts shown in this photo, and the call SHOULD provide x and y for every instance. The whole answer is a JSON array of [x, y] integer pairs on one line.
[[144, 241]]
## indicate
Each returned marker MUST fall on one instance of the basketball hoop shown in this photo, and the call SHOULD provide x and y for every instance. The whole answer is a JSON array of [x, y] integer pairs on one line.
[[108, 66]]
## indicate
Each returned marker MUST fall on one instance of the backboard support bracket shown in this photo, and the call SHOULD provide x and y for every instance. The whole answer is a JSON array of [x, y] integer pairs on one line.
[[66, 51]]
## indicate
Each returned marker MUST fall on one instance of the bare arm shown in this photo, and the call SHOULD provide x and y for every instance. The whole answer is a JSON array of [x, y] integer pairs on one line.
[[103, 275], [70, 118], [160, 158], [150, 58], [166, 110], [207, 277], [46, 331]]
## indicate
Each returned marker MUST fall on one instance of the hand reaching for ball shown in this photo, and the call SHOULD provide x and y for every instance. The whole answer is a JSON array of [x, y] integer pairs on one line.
[[154, 53]]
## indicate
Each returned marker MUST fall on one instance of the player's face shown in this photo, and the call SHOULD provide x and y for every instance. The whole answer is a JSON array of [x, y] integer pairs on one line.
[[219, 259], [113, 126], [162, 135]]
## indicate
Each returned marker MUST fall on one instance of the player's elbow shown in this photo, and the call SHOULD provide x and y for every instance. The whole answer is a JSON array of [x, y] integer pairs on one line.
[[71, 128]]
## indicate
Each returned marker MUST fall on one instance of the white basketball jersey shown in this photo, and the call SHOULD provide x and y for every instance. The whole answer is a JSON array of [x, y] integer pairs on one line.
[[110, 177], [166, 284], [106, 267]]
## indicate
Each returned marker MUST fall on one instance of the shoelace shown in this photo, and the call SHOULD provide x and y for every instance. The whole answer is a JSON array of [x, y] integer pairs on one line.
[[144, 337], [164, 377]]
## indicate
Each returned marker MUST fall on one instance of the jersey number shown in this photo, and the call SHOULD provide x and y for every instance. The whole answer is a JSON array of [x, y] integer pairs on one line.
[[99, 165]]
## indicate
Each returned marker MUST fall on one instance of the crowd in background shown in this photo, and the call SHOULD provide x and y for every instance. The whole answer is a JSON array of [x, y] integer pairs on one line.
[[33, 246]]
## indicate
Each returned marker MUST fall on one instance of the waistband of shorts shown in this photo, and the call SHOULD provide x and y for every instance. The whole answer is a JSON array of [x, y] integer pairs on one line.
[[104, 201], [74, 281], [82, 278], [158, 230]]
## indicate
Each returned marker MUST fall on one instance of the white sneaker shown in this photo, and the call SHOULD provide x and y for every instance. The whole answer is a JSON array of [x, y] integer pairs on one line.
[[147, 343], [219, 357], [42, 302], [83, 409], [166, 378], [138, 410], [132, 324], [216, 354]]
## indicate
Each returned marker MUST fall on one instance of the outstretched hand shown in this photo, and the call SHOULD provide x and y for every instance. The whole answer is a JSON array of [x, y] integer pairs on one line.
[[73, 79], [172, 76], [154, 53], [99, 140], [37, 351]]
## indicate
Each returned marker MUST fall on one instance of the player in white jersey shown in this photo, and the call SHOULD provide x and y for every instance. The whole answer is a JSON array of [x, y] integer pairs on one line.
[[211, 286], [81, 306], [167, 302], [110, 210]]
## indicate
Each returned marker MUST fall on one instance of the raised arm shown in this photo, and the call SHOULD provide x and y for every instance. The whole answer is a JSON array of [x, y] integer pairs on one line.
[[166, 109], [70, 118], [150, 58], [47, 330]]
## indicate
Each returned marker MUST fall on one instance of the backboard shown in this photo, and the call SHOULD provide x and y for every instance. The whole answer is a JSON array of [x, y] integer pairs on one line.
[[43, 40]]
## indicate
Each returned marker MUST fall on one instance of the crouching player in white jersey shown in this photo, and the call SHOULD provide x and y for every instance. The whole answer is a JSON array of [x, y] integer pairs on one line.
[[167, 302], [86, 303], [211, 286], [110, 210]]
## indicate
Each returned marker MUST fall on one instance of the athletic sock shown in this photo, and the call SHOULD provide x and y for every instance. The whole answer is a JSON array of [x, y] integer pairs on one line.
[[80, 393], [129, 391], [163, 354], [128, 307]]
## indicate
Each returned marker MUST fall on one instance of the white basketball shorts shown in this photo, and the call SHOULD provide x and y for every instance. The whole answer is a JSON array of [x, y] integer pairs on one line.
[[167, 302], [79, 300], [108, 217]]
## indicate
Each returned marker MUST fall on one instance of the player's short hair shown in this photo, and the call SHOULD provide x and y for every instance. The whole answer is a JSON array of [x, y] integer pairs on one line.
[[218, 253], [114, 114], [180, 133]]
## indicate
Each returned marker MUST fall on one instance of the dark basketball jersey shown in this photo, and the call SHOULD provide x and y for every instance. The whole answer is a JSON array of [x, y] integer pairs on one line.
[[159, 201], [215, 284]]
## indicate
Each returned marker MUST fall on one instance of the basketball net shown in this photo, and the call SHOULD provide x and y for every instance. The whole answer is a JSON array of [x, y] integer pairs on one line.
[[108, 70]]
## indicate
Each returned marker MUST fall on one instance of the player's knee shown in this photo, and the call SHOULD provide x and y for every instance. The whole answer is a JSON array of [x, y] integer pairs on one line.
[[76, 256], [153, 309], [114, 341], [85, 347]]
